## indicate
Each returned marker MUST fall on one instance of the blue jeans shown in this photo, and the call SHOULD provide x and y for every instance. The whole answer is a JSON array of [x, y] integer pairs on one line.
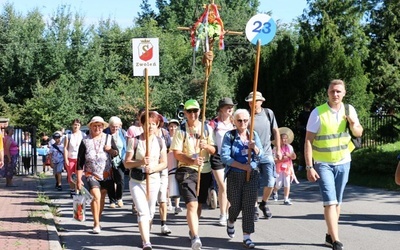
[[333, 180], [267, 172]]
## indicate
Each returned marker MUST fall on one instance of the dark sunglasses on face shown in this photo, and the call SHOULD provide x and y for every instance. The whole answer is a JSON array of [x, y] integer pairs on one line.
[[192, 111], [244, 120]]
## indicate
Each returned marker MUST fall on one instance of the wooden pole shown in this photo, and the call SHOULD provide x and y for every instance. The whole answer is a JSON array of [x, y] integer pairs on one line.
[[253, 104], [203, 119], [146, 128]]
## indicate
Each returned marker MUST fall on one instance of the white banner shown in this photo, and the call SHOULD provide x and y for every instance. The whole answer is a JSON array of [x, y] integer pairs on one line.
[[145, 55]]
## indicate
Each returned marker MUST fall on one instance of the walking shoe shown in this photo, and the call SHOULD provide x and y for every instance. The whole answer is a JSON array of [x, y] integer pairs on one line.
[[328, 240], [196, 243], [248, 243], [222, 220], [147, 246], [275, 196], [59, 188], [96, 230], [230, 230], [287, 202], [256, 214], [165, 230], [337, 245], [112, 205], [265, 209], [178, 210], [120, 203]]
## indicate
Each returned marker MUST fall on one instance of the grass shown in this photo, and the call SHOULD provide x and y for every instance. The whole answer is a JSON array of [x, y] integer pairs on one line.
[[374, 181], [43, 199], [373, 167], [37, 216]]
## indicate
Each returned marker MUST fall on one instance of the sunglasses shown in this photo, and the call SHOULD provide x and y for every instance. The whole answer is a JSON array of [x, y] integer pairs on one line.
[[192, 110], [244, 120]]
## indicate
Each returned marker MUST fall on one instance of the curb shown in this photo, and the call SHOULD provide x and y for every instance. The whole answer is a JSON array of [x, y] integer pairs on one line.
[[54, 239]]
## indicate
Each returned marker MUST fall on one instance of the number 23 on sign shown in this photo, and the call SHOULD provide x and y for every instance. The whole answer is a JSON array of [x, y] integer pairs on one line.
[[260, 27]]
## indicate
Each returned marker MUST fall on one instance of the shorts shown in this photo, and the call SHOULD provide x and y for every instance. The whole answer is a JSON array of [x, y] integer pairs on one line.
[[282, 179], [58, 167], [71, 168], [267, 173], [187, 179], [205, 184], [162, 193], [332, 181], [94, 183], [216, 163]]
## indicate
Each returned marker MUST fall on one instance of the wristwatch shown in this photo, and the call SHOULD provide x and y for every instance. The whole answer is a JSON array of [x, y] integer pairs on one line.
[[309, 167]]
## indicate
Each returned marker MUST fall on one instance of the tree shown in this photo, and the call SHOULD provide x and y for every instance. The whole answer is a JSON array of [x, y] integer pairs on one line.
[[333, 45], [384, 61], [21, 44]]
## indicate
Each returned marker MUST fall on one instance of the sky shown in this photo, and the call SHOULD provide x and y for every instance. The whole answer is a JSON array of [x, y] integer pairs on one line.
[[124, 11]]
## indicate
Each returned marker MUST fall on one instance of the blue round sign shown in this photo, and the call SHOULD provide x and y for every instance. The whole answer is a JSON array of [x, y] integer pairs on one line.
[[261, 27]]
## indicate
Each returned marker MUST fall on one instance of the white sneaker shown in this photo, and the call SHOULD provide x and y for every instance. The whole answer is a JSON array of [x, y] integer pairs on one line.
[[165, 230], [178, 210], [222, 220], [287, 202], [196, 243], [96, 230]]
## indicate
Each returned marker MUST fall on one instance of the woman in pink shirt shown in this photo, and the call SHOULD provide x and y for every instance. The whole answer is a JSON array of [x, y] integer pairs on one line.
[[11, 152]]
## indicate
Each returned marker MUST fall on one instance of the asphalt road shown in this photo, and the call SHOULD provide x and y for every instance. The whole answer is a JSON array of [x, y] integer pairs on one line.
[[370, 220]]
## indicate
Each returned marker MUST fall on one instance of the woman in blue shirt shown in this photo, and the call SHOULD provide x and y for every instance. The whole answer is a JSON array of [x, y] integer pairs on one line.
[[242, 194]]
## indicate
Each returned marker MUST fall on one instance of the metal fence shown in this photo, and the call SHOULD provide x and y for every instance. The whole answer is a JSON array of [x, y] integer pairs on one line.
[[380, 129], [26, 140]]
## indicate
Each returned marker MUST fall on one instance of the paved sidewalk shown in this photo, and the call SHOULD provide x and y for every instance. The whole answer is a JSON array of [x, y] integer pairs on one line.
[[24, 223], [370, 220]]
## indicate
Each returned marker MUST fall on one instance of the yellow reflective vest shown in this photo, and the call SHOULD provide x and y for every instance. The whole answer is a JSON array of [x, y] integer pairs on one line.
[[332, 143]]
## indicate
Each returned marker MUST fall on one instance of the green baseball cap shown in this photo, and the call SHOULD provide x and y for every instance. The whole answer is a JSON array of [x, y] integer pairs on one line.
[[192, 104]]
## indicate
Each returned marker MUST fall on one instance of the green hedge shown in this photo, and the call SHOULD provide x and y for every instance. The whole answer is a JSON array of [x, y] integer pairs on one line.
[[375, 167], [379, 160]]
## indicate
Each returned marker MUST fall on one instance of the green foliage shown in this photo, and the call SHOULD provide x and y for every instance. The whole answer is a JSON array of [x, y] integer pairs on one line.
[[379, 160], [384, 60], [60, 70], [375, 167]]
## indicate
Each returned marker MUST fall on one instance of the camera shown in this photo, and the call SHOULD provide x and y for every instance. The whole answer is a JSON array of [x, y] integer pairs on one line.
[[179, 112]]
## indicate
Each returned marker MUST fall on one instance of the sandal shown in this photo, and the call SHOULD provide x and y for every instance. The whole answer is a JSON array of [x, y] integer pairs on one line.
[[230, 231], [248, 243]]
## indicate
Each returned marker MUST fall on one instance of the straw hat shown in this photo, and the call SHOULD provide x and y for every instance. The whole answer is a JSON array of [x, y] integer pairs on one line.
[[288, 132], [259, 97], [97, 119]]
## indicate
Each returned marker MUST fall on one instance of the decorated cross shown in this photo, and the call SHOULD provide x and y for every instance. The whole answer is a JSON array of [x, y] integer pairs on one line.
[[208, 29]]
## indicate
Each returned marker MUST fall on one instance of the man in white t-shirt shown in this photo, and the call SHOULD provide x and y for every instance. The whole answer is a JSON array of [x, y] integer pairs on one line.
[[329, 144]]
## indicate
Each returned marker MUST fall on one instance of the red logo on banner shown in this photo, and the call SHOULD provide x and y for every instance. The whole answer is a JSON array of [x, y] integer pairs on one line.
[[145, 50]]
